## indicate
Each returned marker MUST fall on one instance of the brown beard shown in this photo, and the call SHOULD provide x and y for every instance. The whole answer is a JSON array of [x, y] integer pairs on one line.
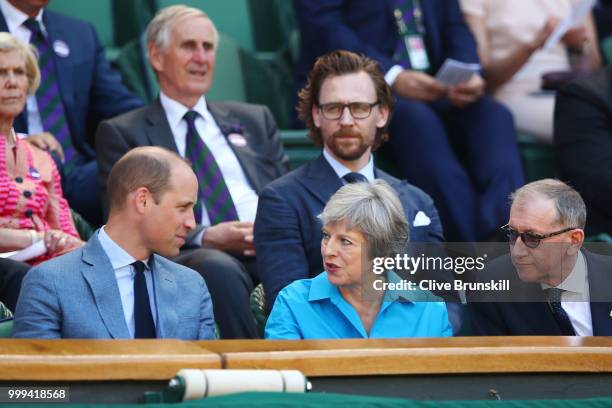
[[351, 152]]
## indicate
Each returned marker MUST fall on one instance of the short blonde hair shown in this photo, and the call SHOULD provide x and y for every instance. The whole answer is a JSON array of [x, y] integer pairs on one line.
[[9, 43]]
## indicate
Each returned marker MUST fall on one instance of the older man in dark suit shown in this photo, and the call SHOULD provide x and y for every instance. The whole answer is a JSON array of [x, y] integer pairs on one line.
[[556, 287], [78, 90], [235, 149]]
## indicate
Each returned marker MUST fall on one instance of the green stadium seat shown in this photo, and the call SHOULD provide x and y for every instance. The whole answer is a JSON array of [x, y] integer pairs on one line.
[[299, 147], [538, 158], [6, 328], [233, 17], [606, 46]]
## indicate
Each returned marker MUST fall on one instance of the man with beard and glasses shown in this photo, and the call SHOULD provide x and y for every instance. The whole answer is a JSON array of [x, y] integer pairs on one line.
[[346, 105]]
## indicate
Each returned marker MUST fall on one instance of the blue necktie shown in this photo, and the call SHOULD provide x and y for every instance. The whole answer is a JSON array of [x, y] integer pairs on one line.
[[143, 318], [563, 320], [354, 178]]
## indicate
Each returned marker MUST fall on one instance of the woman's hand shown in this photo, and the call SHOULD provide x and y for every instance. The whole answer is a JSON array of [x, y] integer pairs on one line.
[[57, 241]]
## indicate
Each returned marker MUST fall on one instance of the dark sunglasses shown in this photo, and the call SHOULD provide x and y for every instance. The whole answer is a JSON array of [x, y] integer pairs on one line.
[[530, 239]]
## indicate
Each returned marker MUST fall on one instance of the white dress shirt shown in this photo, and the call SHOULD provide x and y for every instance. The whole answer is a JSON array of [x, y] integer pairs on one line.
[[14, 20], [341, 170], [124, 273], [575, 297], [244, 197]]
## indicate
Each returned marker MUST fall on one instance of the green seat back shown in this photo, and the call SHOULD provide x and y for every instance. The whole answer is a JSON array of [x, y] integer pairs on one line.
[[233, 17], [538, 158], [298, 147], [606, 46], [228, 82], [6, 329]]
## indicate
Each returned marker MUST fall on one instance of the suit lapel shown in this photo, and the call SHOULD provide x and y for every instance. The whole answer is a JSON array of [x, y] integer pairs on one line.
[[246, 156], [157, 128], [165, 296], [99, 274], [320, 179]]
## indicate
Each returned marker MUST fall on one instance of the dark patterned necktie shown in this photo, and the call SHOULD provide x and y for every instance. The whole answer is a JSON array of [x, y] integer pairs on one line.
[[213, 192], [48, 98], [143, 318], [354, 178], [554, 300]]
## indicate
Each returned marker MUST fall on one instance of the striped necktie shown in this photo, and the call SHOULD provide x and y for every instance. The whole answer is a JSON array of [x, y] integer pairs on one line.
[[48, 97], [213, 192], [144, 327]]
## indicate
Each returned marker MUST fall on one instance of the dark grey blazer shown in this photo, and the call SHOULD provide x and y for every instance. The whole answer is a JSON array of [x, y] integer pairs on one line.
[[262, 159]]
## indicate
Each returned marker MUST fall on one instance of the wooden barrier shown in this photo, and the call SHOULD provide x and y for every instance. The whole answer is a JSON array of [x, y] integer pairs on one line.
[[93, 360]]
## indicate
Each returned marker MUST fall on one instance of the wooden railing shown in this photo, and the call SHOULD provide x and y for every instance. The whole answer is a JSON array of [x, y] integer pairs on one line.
[[93, 360]]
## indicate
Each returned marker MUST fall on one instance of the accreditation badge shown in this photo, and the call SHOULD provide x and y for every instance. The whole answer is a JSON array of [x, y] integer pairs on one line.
[[416, 52]]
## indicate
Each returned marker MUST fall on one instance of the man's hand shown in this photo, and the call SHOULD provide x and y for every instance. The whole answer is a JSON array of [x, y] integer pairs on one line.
[[575, 38], [46, 141], [467, 92], [419, 86], [234, 237], [58, 242]]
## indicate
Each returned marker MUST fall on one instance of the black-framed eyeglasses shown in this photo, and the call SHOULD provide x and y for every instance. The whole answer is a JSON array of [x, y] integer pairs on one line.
[[359, 110], [530, 239]]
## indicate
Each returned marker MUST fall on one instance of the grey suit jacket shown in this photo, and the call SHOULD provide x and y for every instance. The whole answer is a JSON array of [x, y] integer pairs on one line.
[[262, 158], [76, 296]]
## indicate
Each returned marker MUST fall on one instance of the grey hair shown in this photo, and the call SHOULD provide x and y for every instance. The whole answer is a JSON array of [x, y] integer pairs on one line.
[[9, 43], [571, 210], [376, 211], [158, 30]]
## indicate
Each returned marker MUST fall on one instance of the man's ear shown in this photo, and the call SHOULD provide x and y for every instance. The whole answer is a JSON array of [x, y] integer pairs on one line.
[[141, 199], [576, 241], [316, 117], [383, 116], [155, 58]]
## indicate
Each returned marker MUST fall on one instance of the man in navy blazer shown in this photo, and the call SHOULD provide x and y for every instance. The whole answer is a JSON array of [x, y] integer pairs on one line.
[[346, 105], [93, 292], [455, 143], [90, 91], [546, 235]]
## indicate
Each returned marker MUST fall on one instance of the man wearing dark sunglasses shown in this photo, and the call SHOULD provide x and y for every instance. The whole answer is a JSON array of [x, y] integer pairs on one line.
[[556, 286]]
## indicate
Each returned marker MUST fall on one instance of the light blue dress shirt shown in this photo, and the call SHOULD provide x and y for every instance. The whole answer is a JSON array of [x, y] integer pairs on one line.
[[315, 309], [124, 273]]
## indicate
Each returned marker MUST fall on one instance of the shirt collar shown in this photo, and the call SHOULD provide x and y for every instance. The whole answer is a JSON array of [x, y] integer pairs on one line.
[[118, 256], [320, 288], [341, 170], [576, 280], [15, 17], [175, 111]]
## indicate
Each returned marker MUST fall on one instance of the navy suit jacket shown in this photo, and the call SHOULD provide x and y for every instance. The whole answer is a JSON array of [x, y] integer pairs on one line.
[[90, 90], [369, 27], [288, 232], [76, 296], [535, 318]]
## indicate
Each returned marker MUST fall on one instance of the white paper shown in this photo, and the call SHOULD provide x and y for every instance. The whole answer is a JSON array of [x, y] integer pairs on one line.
[[453, 72], [28, 253], [576, 16]]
